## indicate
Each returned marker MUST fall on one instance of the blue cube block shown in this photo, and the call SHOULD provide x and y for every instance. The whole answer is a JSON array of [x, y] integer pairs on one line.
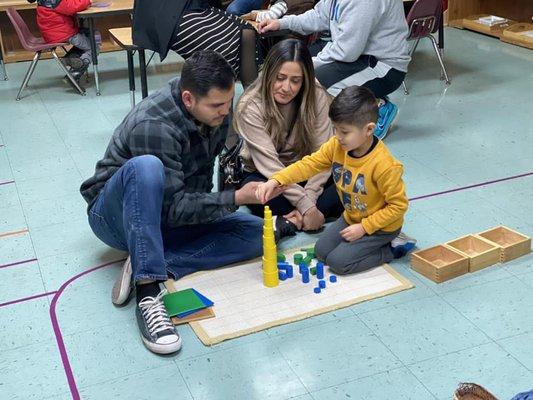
[[316, 290], [332, 278], [322, 284], [282, 276]]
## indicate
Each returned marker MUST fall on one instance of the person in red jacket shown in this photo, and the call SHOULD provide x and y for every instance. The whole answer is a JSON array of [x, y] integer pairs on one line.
[[57, 22]]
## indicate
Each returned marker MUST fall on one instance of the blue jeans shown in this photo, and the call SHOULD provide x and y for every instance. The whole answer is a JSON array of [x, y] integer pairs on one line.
[[127, 215], [240, 7]]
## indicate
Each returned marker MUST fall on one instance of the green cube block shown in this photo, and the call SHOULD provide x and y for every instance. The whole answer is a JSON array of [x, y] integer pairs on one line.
[[298, 258], [310, 251], [281, 257], [312, 270]]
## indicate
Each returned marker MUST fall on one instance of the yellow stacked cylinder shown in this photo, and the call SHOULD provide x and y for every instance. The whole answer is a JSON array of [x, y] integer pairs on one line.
[[270, 260]]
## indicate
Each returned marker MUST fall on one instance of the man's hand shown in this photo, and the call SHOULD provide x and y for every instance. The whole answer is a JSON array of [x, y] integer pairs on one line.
[[269, 25], [246, 194], [296, 218], [353, 232], [268, 190], [313, 219]]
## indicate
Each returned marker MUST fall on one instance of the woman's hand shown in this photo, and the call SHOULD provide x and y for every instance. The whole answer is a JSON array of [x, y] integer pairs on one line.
[[251, 16], [313, 219], [268, 190], [296, 218], [353, 232]]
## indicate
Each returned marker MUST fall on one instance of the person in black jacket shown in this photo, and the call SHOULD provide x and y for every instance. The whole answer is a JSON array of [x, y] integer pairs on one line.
[[186, 26], [151, 194]]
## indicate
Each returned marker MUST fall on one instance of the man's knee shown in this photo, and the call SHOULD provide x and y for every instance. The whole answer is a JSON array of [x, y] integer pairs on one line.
[[252, 227], [148, 170]]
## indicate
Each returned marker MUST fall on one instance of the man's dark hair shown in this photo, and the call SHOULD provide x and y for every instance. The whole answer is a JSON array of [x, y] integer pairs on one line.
[[354, 105], [206, 70]]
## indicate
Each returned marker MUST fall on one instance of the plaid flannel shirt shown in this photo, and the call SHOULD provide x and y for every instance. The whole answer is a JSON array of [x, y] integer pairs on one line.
[[161, 126]]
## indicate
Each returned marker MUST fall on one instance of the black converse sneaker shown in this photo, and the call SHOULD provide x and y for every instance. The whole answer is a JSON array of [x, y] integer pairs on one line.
[[157, 332], [123, 285], [283, 228]]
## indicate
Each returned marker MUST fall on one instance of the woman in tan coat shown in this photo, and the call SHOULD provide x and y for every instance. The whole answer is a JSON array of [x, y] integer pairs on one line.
[[282, 117]]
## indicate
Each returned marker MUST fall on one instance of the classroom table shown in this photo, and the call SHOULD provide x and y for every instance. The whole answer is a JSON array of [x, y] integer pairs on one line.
[[116, 7]]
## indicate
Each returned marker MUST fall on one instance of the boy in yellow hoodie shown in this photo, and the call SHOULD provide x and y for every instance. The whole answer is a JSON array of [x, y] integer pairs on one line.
[[369, 183]]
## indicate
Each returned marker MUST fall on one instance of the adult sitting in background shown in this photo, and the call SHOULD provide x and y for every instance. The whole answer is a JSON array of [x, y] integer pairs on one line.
[[188, 26], [282, 117], [151, 193], [279, 8], [240, 7], [368, 47]]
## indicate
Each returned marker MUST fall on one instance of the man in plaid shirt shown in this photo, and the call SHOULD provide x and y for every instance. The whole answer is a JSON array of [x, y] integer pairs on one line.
[[151, 193]]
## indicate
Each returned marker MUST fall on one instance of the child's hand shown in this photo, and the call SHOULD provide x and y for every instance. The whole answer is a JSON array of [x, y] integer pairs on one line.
[[353, 232], [266, 191]]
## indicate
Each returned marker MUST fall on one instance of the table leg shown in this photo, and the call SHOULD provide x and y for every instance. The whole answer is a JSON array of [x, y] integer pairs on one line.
[[3, 65], [142, 66], [441, 32], [92, 39], [131, 76], [441, 44]]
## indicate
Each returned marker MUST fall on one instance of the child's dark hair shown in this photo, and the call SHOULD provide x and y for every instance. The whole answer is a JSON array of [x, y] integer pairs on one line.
[[206, 70], [354, 105]]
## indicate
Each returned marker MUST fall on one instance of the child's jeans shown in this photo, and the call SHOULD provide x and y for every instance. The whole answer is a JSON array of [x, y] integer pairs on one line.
[[81, 41], [349, 257]]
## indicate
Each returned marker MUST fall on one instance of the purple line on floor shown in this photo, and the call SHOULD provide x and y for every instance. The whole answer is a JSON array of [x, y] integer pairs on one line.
[[26, 299], [426, 196], [17, 263], [57, 330], [6, 182]]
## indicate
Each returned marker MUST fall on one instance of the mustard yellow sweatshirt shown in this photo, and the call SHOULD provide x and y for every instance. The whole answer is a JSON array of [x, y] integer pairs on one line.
[[371, 187]]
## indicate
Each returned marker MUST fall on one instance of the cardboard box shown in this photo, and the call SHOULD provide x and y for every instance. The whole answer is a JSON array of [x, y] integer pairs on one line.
[[512, 244], [439, 263], [480, 252]]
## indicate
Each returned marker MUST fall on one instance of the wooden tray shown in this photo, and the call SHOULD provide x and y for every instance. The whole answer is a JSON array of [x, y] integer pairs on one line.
[[515, 35], [512, 244], [480, 252], [494, 30], [439, 263]]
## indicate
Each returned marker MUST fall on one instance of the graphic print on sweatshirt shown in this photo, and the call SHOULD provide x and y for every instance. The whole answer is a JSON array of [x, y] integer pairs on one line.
[[350, 192]]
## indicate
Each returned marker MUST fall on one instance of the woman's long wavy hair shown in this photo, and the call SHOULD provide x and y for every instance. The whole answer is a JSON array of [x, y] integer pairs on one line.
[[305, 101]]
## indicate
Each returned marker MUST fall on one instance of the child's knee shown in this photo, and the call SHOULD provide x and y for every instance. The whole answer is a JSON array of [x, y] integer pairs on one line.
[[321, 250], [340, 266]]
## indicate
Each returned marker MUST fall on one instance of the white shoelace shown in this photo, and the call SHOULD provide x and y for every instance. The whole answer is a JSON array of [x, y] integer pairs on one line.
[[155, 313]]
